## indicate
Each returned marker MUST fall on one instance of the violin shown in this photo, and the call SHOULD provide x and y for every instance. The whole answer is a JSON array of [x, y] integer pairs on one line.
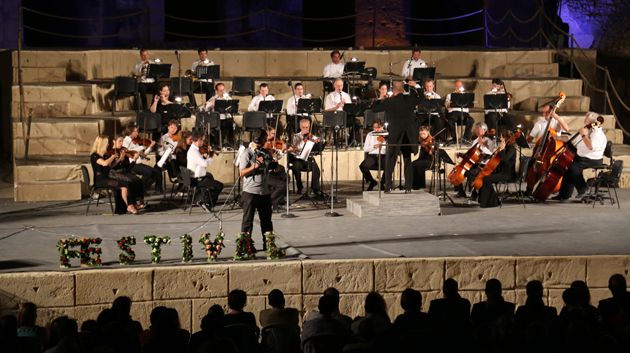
[[142, 142], [176, 137], [427, 145], [275, 145], [380, 139], [127, 153], [207, 149]]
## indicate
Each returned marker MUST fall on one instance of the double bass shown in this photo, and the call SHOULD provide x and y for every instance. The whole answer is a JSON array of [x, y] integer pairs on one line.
[[494, 161], [544, 153]]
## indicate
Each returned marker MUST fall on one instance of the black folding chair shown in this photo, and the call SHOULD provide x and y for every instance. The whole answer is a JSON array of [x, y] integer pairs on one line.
[[96, 190], [125, 86], [242, 86], [186, 178], [600, 186], [186, 85]]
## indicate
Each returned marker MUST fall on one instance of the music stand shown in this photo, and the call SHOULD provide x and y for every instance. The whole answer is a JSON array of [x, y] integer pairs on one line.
[[211, 72], [226, 106], [461, 101], [208, 121], [495, 102], [159, 71], [438, 166], [421, 74], [309, 105], [270, 107], [354, 67], [429, 106]]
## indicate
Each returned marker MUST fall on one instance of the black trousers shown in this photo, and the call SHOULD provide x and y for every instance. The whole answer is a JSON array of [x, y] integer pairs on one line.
[[573, 178], [461, 119], [277, 183], [299, 165], [149, 175], [487, 195], [371, 163], [144, 89], [506, 120], [209, 189], [470, 178], [392, 155], [419, 168], [251, 204]]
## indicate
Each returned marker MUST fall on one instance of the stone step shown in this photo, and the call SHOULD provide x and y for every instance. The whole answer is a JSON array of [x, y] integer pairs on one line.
[[57, 137], [52, 190], [32, 74], [42, 109], [523, 70], [571, 104], [417, 203]]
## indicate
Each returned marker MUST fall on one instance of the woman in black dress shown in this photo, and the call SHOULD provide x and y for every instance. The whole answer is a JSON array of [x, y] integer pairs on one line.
[[122, 171], [425, 158], [504, 172]]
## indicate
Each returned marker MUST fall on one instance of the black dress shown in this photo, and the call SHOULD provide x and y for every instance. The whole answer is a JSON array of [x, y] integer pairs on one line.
[[101, 174], [122, 173], [504, 172], [420, 165]]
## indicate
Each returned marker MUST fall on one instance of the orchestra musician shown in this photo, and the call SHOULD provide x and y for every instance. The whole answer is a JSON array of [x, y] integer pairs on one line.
[[505, 171], [198, 164], [169, 140], [383, 90], [181, 150], [457, 115], [227, 122], [277, 178], [292, 103], [590, 146], [335, 101], [204, 85], [425, 158], [263, 95], [146, 85], [150, 175], [374, 146], [402, 130], [161, 101], [413, 63], [557, 123], [101, 163], [335, 68], [494, 117], [486, 145], [255, 195], [436, 118], [299, 165], [121, 171]]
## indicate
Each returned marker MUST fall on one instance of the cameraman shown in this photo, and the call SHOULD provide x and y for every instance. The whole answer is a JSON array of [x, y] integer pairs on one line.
[[256, 194]]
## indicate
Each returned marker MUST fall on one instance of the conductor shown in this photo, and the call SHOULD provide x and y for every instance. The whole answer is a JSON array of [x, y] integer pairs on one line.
[[402, 129]]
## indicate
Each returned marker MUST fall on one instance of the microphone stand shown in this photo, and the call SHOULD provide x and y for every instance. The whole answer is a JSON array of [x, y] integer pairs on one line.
[[179, 73], [332, 212]]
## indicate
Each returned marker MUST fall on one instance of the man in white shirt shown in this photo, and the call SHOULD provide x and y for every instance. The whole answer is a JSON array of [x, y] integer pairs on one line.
[[202, 84], [433, 119], [263, 95], [590, 146], [375, 150], [494, 116], [458, 115], [198, 164], [556, 122], [227, 122], [487, 147], [299, 165], [146, 85], [413, 63], [337, 98], [292, 103], [335, 68]]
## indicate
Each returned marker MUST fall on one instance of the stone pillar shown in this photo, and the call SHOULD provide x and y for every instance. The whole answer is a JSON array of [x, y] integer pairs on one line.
[[379, 24]]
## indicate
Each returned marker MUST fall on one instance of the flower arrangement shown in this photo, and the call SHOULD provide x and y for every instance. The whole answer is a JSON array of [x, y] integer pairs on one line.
[[128, 256], [187, 250], [156, 242], [272, 252], [245, 249], [88, 248], [212, 247]]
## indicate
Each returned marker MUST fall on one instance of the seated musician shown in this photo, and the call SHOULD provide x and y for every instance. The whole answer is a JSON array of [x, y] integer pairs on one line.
[[263, 95], [297, 164], [335, 101], [122, 171], [202, 84], [181, 150], [590, 146], [383, 91], [412, 64], [433, 119], [146, 85], [492, 116], [425, 158], [457, 115], [292, 103], [277, 178], [335, 68], [227, 122], [150, 175], [374, 146], [486, 145], [169, 140], [557, 123], [198, 164], [505, 171], [101, 163]]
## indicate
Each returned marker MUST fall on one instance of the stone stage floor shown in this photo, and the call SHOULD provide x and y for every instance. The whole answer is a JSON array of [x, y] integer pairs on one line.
[[29, 232]]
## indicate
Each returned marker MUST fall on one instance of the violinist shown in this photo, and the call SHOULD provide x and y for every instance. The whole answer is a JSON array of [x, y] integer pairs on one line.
[[590, 146], [121, 171], [383, 91], [181, 150], [167, 144], [505, 171], [198, 163], [374, 146], [494, 117], [425, 158], [277, 178], [458, 115], [486, 145], [299, 165], [133, 142], [557, 123]]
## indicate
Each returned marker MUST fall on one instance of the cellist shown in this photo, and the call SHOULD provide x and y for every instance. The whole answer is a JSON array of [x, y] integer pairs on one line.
[[590, 146], [504, 171], [486, 146], [557, 123]]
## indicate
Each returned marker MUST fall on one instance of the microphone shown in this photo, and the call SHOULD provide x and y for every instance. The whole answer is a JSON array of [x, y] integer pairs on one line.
[[290, 83]]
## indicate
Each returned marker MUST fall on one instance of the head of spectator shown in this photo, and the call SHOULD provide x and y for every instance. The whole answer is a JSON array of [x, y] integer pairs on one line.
[[122, 308], [450, 289], [326, 305], [27, 315], [493, 290], [411, 300], [617, 285], [237, 300], [375, 305], [534, 290], [276, 299]]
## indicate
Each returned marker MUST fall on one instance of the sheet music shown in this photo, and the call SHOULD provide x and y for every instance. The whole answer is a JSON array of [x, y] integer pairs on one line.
[[306, 151], [165, 156]]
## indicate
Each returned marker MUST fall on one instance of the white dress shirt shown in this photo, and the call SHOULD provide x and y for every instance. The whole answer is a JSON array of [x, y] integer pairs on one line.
[[132, 146], [166, 141], [333, 98], [598, 140], [503, 110], [140, 70], [211, 102], [411, 65], [370, 144], [253, 105], [202, 63], [447, 103], [196, 163], [333, 70], [488, 147], [292, 104], [539, 128]]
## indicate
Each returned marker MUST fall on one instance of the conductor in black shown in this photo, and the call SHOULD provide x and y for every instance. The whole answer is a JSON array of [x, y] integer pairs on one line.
[[402, 129], [253, 165]]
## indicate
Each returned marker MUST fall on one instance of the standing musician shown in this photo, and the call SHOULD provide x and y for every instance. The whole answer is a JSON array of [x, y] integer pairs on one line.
[[299, 165], [557, 123], [425, 158], [121, 171], [492, 116], [486, 145], [203, 84], [335, 101], [335, 68], [413, 63], [590, 147], [458, 115], [435, 118], [374, 146], [150, 175], [292, 103], [255, 195], [227, 123], [198, 164], [277, 178], [146, 85], [167, 140], [263, 95], [161, 101], [505, 171], [402, 130]]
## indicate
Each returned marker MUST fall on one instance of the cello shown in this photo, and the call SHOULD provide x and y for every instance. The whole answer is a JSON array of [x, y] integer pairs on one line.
[[494, 161], [544, 152], [469, 160]]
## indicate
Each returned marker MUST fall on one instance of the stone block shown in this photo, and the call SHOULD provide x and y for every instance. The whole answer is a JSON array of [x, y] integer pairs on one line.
[[46, 315], [50, 289], [352, 304], [89, 312], [554, 272], [356, 276], [56, 190], [392, 300], [473, 273], [473, 296], [427, 297], [184, 310], [555, 299], [244, 63], [103, 286], [261, 278], [190, 282], [285, 63], [395, 275], [598, 294], [600, 268]]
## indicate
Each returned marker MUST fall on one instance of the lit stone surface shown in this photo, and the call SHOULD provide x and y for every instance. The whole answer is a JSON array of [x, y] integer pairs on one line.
[[395, 275], [261, 278], [474, 273], [552, 272], [190, 282], [43, 289], [103, 286], [355, 276]]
